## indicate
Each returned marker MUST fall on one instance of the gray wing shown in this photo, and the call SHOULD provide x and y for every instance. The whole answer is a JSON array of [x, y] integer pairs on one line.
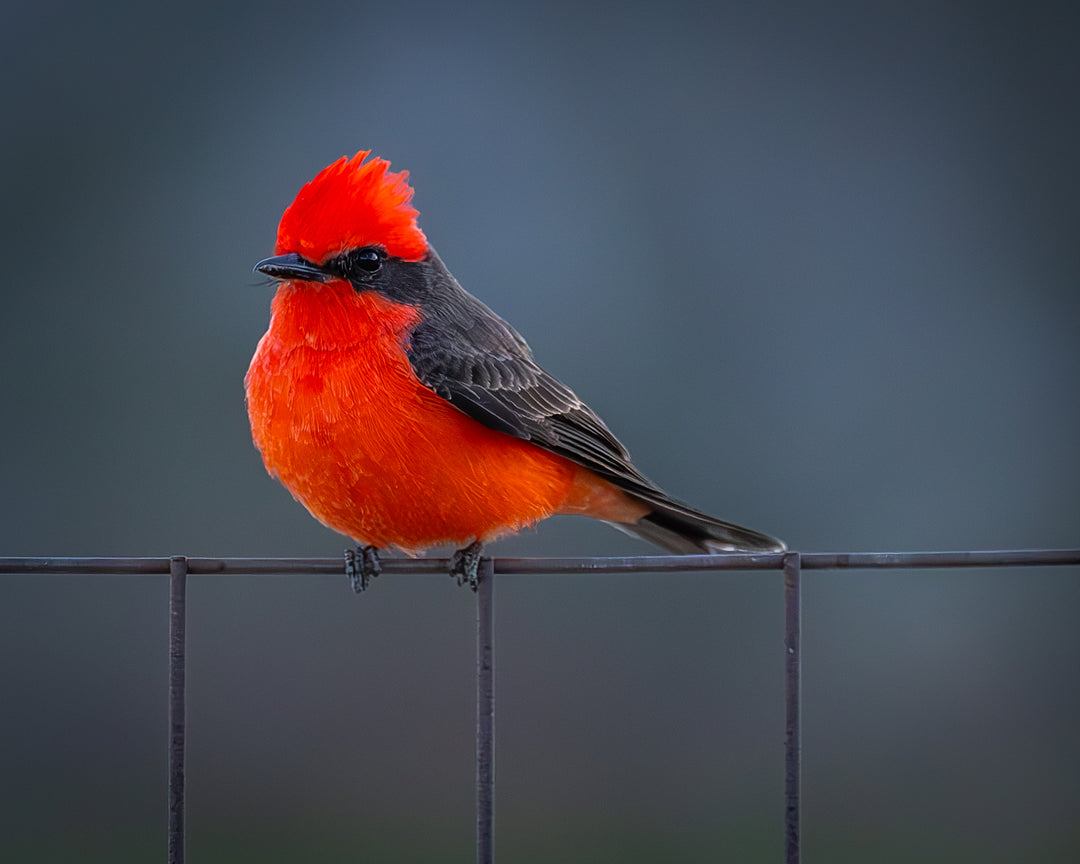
[[477, 362], [481, 366]]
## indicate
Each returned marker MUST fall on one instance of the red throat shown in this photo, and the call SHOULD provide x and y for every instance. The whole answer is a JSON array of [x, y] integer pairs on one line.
[[351, 204]]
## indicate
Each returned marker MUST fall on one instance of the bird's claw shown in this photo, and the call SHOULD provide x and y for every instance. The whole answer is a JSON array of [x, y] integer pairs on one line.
[[465, 565], [361, 566]]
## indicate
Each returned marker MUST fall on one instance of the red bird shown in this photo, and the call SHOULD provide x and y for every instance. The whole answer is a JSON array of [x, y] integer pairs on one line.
[[402, 412]]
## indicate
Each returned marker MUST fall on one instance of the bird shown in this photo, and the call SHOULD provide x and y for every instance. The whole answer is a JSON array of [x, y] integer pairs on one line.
[[405, 414]]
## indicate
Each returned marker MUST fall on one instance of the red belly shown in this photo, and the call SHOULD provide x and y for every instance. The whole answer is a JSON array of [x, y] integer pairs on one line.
[[374, 454]]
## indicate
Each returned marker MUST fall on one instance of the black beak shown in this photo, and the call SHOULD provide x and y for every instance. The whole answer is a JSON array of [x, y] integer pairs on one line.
[[292, 266]]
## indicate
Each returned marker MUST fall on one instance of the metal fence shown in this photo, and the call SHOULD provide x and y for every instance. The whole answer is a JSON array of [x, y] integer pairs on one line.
[[790, 563]]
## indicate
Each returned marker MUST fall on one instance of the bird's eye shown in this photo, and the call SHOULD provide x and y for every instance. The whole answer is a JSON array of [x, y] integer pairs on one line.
[[369, 259]]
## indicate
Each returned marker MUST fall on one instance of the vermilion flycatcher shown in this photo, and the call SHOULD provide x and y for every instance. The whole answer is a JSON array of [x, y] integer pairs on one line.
[[402, 412]]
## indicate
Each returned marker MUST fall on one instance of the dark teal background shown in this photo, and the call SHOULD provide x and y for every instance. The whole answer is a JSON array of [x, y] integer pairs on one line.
[[817, 267]]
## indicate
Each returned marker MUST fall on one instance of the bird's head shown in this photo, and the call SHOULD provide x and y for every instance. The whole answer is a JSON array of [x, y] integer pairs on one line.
[[344, 223]]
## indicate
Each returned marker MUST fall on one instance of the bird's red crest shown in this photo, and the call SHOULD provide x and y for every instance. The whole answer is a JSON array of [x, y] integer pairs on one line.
[[349, 204]]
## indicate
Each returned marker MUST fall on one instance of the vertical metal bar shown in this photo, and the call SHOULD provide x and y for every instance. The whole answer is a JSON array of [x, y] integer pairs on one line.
[[178, 569], [793, 698], [485, 714]]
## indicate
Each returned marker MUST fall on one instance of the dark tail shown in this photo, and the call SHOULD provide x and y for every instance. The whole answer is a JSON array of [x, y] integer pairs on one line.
[[684, 531]]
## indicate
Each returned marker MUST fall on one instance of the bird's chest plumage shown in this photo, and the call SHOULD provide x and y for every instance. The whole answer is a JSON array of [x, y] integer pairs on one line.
[[340, 417]]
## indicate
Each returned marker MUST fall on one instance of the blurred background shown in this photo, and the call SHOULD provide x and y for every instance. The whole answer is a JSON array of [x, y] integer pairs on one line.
[[816, 266]]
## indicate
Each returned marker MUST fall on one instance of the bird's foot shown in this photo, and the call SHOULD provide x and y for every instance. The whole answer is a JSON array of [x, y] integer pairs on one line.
[[465, 565], [361, 566]]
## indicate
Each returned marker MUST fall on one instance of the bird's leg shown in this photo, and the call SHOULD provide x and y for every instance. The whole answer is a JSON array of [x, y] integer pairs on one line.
[[465, 564], [361, 566]]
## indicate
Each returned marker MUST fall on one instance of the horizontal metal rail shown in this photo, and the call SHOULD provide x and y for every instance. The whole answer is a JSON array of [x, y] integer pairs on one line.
[[178, 567], [551, 566]]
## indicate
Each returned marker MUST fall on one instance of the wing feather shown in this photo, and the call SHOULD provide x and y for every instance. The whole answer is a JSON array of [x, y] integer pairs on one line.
[[479, 363], [476, 361]]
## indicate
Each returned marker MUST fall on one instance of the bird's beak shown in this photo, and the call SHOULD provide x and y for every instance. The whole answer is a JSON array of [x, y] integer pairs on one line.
[[292, 266]]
